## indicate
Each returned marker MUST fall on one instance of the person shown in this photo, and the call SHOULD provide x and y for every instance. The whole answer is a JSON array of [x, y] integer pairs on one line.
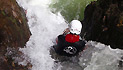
[[70, 43]]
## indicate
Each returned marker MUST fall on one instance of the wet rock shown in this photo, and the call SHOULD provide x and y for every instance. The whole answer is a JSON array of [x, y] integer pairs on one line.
[[121, 63], [103, 22], [14, 33]]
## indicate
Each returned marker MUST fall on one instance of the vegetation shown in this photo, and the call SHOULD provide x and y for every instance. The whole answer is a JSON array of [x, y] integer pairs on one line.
[[70, 9]]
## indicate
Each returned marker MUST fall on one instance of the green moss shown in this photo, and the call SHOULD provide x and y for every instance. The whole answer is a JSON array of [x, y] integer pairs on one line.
[[3, 13], [14, 1], [24, 19], [12, 19]]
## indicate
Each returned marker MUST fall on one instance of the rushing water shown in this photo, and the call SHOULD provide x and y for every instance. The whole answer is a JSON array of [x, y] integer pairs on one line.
[[45, 26]]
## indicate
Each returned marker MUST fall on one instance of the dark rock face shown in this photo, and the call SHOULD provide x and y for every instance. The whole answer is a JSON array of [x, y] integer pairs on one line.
[[103, 22], [14, 33]]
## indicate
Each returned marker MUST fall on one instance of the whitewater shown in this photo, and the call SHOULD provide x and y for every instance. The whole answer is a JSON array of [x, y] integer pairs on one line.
[[45, 26]]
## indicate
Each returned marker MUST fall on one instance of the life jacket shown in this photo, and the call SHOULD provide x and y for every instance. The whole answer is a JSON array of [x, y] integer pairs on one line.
[[71, 38]]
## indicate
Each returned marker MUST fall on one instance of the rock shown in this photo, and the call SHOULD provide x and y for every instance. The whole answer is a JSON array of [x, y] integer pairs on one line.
[[121, 62], [103, 22], [14, 33]]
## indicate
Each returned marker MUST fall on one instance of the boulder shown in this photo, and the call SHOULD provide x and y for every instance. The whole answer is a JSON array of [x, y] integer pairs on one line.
[[14, 33], [103, 22]]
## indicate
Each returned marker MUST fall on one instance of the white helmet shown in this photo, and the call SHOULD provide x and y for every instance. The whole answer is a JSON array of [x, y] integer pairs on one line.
[[75, 27]]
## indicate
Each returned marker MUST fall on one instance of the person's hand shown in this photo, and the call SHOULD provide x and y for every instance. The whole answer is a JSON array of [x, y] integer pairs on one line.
[[66, 31]]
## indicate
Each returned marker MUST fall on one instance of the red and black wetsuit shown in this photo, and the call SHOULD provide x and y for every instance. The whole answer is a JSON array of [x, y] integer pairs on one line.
[[69, 40]]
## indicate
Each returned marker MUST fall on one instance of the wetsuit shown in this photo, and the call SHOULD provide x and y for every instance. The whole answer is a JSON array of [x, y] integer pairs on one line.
[[69, 45]]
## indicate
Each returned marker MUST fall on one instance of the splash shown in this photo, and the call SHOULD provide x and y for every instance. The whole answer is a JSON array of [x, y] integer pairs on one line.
[[100, 57], [44, 26]]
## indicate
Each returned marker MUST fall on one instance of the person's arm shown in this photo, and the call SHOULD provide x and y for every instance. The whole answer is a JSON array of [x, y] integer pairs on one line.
[[66, 31]]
